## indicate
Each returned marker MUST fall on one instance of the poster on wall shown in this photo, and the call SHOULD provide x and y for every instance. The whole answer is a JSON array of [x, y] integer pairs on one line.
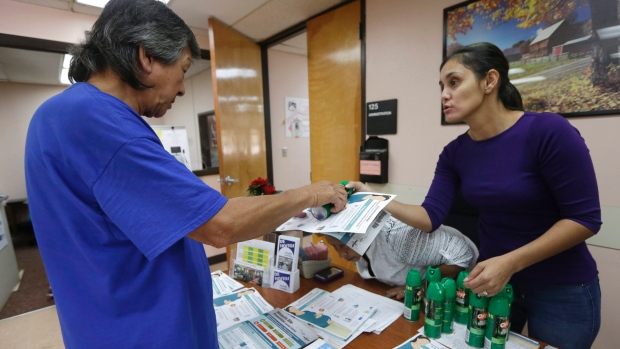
[[174, 139], [3, 231], [297, 117]]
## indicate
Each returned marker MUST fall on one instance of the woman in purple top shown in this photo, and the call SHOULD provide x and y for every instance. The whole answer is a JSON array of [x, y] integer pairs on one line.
[[531, 177]]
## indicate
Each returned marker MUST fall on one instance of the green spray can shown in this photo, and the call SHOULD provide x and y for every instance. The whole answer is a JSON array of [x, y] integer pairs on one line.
[[449, 287], [509, 294], [413, 293], [432, 274], [498, 325], [477, 320], [462, 299], [322, 212], [433, 315]]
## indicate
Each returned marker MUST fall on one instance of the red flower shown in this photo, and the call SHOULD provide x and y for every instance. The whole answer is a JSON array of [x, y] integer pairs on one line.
[[260, 182], [269, 189], [261, 186]]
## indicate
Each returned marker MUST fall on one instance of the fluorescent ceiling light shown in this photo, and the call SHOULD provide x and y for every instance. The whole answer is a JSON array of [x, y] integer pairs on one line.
[[101, 3]]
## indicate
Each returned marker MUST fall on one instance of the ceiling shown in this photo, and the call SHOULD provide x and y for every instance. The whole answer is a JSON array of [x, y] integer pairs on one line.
[[257, 19]]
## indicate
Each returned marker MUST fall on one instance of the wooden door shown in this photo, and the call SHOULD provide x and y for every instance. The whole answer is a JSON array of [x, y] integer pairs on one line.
[[335, 90], [335, 80], [240, 120]]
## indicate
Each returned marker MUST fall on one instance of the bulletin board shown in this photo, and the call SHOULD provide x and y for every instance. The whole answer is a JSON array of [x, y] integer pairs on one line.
[[174, 139]]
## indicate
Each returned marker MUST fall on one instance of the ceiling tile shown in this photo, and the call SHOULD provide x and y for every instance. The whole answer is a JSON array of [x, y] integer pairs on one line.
[[278, 15]]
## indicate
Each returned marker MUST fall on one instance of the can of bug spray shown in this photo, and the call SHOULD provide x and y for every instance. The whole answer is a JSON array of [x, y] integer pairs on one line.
[[498, 325], [509, 294], [413, 293], [433, 315], [322, 212], [477, 320], [449, 287], [432, 274], [462, 299]]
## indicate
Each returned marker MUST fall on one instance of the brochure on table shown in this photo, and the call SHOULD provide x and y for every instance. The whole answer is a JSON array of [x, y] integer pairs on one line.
[[223, 284], [357, 217], [275, 329], [285, 275], [456, 340], [239, 306], [338, 316], [252, 262]]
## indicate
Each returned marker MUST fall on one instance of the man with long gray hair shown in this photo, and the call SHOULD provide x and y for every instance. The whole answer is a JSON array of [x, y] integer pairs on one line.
[[120, 222]]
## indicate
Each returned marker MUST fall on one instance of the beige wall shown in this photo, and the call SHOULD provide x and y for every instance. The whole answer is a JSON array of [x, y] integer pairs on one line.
[[288, 77], [403, 53]]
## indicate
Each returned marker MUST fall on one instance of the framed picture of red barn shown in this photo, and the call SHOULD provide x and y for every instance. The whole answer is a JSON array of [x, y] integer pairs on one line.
[[564, 54]]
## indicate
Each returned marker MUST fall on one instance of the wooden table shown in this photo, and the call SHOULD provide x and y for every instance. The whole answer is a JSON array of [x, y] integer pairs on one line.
[[395, 334]]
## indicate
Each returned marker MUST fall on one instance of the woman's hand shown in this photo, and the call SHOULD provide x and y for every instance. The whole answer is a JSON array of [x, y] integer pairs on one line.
[[397, 292], [359, 186], [488, 278]]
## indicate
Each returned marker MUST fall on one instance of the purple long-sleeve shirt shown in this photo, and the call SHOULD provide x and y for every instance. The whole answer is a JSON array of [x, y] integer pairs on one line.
[[523, 181]]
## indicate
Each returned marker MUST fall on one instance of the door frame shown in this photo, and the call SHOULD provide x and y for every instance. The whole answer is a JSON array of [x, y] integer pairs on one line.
[[287, 34]]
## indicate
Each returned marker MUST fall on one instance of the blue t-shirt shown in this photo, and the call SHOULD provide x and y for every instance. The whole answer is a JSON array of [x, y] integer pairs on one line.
[[523, 181], [111, 209]]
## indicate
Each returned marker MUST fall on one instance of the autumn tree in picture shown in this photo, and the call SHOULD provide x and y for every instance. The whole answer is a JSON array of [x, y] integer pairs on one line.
[[564, 55]]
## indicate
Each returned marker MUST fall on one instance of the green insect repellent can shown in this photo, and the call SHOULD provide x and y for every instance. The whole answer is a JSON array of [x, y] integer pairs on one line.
[[432, 274], [498, 323], [413, 293], [449, 287], [433, 315], [477, 320], [462, 299], [322, 212]]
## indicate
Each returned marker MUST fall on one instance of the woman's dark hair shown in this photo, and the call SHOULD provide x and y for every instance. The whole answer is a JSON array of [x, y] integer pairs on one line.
[[482, 57], [122, 28]]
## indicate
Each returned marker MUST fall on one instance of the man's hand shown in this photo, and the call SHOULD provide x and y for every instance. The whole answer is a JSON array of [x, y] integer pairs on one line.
[[326, 192]]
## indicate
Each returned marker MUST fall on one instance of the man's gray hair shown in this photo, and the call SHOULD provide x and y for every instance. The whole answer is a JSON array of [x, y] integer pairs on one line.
[[122, 28]]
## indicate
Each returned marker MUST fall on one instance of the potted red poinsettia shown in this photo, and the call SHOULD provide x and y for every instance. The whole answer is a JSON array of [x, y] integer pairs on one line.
[[261, 186]]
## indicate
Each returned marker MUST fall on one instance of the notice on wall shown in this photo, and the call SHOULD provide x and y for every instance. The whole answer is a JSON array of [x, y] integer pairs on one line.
[[4, 240], [174, 139], [297, 117]]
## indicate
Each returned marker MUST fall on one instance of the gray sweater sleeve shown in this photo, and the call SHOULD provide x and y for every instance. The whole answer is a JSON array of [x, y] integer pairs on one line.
[[445, 245]]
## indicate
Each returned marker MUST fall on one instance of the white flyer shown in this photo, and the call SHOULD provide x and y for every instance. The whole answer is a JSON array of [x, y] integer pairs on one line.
[[223, 284], [357, 217]]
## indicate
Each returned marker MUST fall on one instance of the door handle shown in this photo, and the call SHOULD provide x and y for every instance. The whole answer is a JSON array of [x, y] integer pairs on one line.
[[3, 197], [228, 180]]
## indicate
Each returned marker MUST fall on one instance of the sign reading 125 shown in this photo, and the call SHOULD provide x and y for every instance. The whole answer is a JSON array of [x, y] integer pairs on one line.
[[373, 106]]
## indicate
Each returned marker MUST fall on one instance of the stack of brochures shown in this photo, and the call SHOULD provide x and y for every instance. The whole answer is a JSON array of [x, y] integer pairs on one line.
[[252, 262], [327, 320], [356, 226], [341, 316]]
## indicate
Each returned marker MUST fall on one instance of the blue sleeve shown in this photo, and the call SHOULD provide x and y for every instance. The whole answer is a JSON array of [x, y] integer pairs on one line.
[[567, 168], [443, 188], [152, 198]]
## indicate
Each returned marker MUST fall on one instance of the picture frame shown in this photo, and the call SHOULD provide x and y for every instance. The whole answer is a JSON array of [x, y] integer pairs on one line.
[[564, 54]]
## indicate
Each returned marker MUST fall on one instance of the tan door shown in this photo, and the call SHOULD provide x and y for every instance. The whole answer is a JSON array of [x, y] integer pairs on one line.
[[240, 121], [334, 77], [335, 80]]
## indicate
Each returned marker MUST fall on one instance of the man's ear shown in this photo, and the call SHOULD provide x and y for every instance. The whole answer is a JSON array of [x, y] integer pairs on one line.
[[145, 61]]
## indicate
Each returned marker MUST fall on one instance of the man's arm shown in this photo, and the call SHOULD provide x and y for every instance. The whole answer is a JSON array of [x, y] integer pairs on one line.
[[245, 218]]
